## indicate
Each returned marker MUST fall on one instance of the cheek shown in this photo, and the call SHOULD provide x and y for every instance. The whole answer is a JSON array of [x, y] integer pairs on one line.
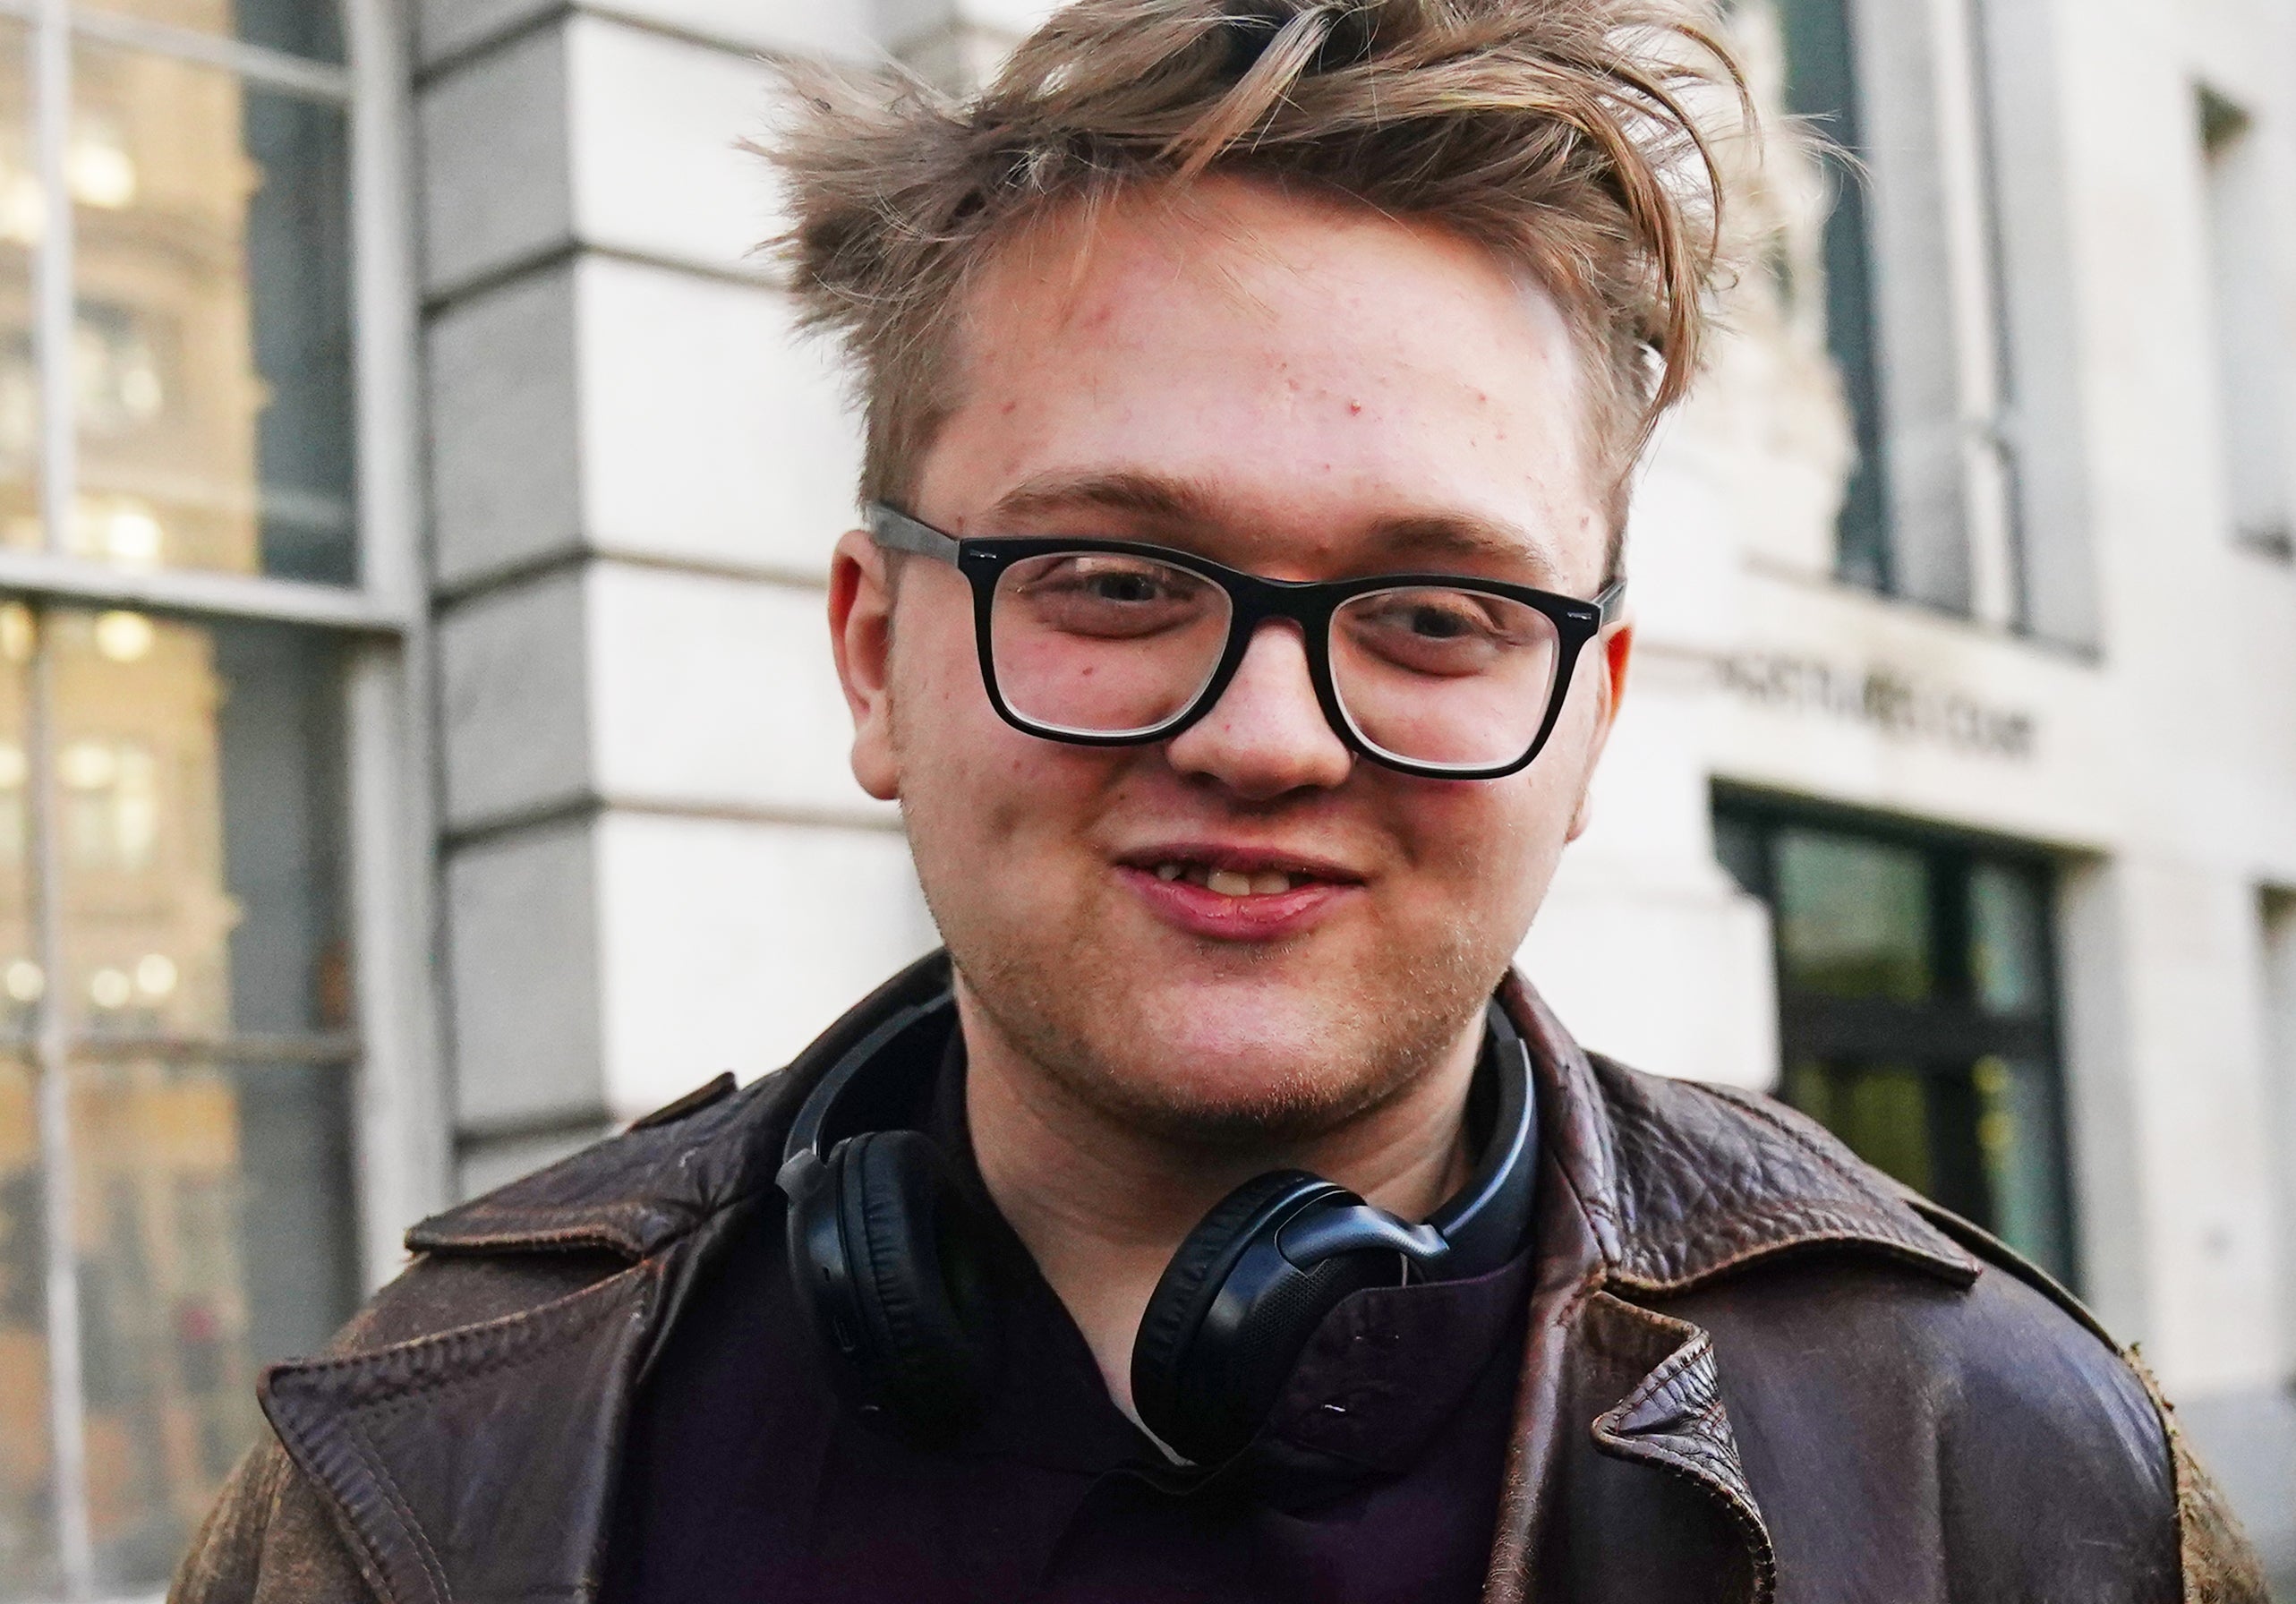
[[975, 790], [1485, 851]]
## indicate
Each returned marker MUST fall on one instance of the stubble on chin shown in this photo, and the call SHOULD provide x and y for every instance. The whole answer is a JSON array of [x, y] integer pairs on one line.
[[1112, 1041]]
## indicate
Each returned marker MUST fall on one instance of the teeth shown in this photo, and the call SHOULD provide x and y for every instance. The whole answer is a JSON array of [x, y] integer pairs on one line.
[[1227, 882]]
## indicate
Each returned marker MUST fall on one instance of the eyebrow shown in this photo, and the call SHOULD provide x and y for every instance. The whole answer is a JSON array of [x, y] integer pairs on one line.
[[1419, 537], [1148, 495]]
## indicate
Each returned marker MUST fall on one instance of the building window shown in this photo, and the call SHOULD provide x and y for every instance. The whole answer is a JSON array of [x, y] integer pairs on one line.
[[2251, 334], [1917, 1008], [1909, 289], [1822, 87], [179, 591]]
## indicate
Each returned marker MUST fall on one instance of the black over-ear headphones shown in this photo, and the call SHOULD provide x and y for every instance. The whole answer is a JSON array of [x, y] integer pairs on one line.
[[883, 1251]]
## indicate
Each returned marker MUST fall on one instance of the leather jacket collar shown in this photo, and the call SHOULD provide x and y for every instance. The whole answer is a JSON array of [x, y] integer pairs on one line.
[[475, 1459]]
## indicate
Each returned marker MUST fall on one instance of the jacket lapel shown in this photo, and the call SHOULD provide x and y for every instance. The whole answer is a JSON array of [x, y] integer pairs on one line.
[[1655, 1186], [1673, 1421], [478, 1462], [475, 1464]]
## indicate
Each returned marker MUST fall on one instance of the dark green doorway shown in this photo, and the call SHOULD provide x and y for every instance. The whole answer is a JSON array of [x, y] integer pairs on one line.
[[1917, 1006]]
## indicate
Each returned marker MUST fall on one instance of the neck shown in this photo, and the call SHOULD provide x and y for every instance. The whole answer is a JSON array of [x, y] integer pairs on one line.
[[1102, 1205]]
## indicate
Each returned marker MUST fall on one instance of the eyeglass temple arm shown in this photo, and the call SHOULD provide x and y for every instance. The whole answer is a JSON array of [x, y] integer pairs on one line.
[[1607, 606], [898, 531]]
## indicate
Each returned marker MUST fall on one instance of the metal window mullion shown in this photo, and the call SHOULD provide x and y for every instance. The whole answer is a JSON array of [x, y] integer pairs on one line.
[[53, 319], [67, 1391], [405, 1156], [271, 69], [1974, 297], [198, 594]]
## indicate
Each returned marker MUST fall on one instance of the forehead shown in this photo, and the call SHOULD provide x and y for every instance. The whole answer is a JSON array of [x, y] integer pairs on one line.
[[1315, 375]]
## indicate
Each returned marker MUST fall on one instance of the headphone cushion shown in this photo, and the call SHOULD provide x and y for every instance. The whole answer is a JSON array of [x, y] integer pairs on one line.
[[925, 1317], [1186, 1290]]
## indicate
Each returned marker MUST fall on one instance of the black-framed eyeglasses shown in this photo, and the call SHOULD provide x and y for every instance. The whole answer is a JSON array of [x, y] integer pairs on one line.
[[1114, 643]]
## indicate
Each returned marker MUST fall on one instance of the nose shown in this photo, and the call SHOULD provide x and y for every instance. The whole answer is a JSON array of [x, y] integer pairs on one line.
[[1267, 735]]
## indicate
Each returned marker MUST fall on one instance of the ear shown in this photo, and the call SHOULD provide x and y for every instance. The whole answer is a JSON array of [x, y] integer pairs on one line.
[[1618, 650], [860, 637]]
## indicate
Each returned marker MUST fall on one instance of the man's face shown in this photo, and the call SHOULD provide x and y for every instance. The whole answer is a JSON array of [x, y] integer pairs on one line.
[[1305, 391]]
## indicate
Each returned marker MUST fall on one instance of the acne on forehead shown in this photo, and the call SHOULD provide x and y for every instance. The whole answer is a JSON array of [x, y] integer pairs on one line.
[[1125, 275]]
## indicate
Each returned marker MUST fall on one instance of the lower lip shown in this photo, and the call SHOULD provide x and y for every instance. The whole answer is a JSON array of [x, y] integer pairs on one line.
[[1201, 912]]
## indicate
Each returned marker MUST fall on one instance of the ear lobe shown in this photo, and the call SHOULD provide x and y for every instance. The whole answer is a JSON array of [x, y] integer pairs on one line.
[[860, 639]]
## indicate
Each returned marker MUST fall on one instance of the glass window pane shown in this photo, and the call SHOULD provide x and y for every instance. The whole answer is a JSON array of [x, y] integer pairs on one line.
[[2018, 1132], [311, 28], [1739, 848], [198, 824], [28, 1568], [212, 355], [21, 215], [214, 1235], [1853, 916], [2008, 940], [1881, 1112]]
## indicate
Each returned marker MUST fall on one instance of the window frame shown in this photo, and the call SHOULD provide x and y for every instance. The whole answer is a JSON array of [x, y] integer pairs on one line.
[[392, 1051], [1933, 510], [1956, 1027]]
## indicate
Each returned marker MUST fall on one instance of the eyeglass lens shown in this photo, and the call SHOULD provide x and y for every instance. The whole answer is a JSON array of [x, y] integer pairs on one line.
[[1110, 643]]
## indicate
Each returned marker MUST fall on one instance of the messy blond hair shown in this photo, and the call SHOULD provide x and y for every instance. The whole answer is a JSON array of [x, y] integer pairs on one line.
[[1559, 135]]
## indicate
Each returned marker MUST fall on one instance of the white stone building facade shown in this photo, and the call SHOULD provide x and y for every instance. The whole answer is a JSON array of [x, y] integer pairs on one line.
[[1955, 797]]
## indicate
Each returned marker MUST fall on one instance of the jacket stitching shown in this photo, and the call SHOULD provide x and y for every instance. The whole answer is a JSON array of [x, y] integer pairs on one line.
[[352, 1517], [1907, 1231], [433, 1570], [393, 1397], [1666, 1266], [1659, 1379], [1742, 1513], [444, 1347]]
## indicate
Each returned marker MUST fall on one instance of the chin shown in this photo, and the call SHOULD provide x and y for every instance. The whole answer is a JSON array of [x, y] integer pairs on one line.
[[1219, 1044], [1244, 1063], [1234, 1104]]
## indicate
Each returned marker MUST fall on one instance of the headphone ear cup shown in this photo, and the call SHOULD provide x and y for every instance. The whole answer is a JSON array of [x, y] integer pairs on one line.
[[1168, 1380], [927, 1351]]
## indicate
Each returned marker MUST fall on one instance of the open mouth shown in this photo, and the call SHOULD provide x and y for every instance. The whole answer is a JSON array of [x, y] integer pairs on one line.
[[1232, 882], [1225, 893], [1238, 873]]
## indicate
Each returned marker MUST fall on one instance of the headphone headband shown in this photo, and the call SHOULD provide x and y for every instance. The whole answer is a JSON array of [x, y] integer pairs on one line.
[[844, 1103]]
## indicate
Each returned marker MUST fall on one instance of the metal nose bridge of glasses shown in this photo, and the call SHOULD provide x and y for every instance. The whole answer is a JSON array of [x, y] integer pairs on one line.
[[1253, 600]]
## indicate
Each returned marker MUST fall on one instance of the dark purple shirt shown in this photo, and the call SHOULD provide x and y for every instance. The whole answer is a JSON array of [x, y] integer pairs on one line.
[[1377, 1477]]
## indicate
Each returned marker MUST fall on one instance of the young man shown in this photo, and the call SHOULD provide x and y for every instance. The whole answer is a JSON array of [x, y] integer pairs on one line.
[[1251, 391]]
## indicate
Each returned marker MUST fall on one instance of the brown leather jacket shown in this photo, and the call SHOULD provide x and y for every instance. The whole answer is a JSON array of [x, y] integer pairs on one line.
[[1757, 1369]]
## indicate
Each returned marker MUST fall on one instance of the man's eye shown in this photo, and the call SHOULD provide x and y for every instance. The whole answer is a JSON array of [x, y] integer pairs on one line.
[[1440, 623], [1111, 596], [1434, 619], [1122, 587], [1436, 631]]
